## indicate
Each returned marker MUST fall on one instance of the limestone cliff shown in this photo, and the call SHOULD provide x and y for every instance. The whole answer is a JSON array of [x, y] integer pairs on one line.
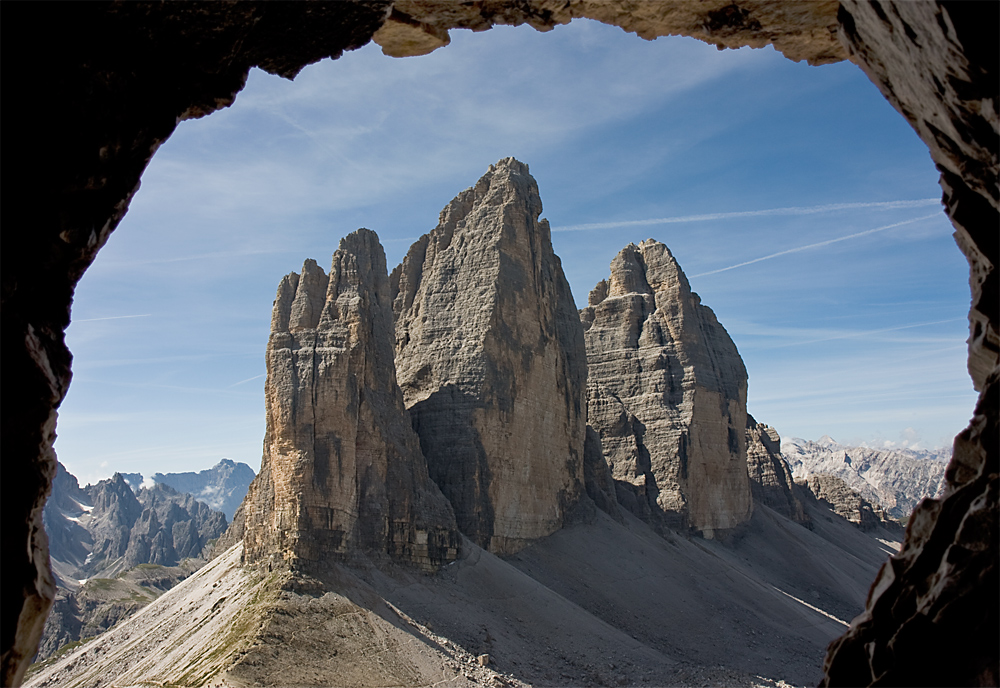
[[847, 502], [491, 360], [342, 470], [667, 393], [771, 481]]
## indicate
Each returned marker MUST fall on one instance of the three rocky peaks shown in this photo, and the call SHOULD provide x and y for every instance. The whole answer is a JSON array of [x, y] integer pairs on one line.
[[452, 396]]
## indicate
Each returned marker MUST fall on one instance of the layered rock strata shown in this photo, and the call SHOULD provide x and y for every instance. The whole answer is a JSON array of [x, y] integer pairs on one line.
[[771, 481], [667, 394], [342, 470], [846, 502], [490, 357]]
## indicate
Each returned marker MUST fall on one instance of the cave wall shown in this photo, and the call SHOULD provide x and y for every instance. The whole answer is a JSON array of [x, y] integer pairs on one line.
[[95, 88], [931, 617]]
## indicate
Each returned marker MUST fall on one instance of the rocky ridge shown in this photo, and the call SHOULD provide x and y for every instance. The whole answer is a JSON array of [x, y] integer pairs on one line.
[[342, 472], [894, 479], [491, 361], [667, 395], [848, 503], [114, 550], [101, 530], [222, 487], [771, 480]]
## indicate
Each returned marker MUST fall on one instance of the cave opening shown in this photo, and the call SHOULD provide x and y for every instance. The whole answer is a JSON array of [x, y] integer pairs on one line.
[[726, 157], [97, 83]]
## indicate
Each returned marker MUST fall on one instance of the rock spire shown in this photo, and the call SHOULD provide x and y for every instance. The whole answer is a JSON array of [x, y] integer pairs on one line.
[[342, 469], [491, 360], [667, 394]]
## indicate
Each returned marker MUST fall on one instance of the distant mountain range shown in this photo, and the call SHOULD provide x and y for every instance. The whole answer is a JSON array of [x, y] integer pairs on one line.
[[897, 479], [116, 546], [222, 487]]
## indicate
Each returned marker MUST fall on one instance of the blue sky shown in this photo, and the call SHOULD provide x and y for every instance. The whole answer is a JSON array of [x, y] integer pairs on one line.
[[799, 203]]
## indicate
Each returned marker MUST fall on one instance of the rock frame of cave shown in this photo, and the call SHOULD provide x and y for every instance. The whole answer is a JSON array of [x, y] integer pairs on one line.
[[99, 86]]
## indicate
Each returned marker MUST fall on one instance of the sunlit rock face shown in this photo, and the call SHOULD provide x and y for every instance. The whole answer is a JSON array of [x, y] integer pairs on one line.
[[667, 394], [490, 357], [342, 470], [771, 479]]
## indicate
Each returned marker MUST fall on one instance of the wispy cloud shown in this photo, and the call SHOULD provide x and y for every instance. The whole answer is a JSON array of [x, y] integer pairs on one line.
[[111, 317], [767, 212], [817, 245]]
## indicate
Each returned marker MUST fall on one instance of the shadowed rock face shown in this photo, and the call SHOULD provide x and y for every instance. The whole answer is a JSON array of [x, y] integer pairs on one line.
[[490, 357], [667, 394], [846, 502], [770, 475], [342, 470], [108, 83]]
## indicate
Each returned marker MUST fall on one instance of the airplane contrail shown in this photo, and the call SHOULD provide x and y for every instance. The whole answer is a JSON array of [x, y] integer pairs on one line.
[[255, 377], [803, 210], [817, 245], [112, 317]]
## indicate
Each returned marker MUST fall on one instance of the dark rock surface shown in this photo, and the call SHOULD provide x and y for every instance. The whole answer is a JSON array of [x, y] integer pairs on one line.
[[847, 503], [342, 471], [771, 479], [937, 63]]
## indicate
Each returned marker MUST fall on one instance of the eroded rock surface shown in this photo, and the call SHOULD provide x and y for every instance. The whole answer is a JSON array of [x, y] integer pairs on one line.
[[771, 480], [896, 480], [667, 394], [490, 357], [846, 502], [800, 30], [342, 470]]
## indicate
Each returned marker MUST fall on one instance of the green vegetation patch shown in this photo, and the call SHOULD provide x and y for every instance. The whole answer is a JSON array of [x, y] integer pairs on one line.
[[101, 584]]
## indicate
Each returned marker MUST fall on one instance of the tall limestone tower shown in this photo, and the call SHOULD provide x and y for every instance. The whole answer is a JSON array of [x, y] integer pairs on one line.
[[667, 393], [491, 360], [342, 470]]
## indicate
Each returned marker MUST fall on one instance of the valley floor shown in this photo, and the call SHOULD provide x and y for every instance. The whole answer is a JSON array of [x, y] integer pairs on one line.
[[598, 603]]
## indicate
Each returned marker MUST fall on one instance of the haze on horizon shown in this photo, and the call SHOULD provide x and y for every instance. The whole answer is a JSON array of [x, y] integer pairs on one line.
[[801, 206]]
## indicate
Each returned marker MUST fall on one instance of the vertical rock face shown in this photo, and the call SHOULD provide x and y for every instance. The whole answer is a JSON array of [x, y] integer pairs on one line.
[[342, 469], [771, 481], [490, 357], [667, 394]]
